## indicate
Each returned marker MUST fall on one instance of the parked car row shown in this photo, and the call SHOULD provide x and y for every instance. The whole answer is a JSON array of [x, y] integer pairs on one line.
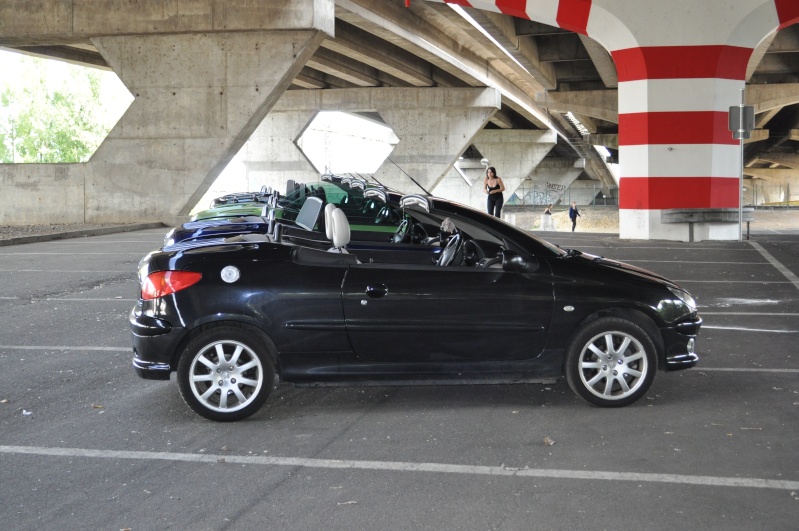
[[350, 283]]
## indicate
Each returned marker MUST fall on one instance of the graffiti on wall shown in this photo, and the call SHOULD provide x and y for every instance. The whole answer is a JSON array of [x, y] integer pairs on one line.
[[539, 194]]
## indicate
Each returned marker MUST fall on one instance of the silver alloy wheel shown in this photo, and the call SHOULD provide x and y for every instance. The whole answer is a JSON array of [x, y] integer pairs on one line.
[[613, 365], [226, 376]]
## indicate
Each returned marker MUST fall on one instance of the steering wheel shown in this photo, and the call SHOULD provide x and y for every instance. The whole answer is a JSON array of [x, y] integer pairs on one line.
[[403, 232], [453, 252], [418, 234], [472, 253]]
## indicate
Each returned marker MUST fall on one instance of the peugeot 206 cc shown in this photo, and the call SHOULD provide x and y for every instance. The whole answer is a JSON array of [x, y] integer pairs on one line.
[[454, 296]]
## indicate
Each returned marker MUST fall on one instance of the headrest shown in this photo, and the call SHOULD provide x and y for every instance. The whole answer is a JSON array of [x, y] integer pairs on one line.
[[329, 208], [341, 229]]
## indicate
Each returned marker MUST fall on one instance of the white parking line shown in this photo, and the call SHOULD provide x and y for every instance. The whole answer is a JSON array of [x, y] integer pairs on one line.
[[734, 369], [707, 327], [53, 299], [400, 466], [771, 314], [687, 281], [686, 262], [787, 273], [70, 254], [62, 347], [132, 273]]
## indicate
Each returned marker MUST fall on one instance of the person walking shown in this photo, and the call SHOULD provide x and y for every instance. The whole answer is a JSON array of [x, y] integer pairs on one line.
[[546, 219], [573, 213], [494, 187]]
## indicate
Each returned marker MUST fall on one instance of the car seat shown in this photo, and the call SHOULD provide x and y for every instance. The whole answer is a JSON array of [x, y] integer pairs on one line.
[[329, 208], [340, 232]]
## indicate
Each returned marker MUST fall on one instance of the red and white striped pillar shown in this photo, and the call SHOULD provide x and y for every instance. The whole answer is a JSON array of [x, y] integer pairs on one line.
[[681, 64]]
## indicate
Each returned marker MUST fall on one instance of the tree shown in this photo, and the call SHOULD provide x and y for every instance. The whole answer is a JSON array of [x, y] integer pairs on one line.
[[50, 118]]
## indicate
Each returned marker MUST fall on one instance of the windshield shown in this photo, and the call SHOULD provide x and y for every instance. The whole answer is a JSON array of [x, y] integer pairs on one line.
[[480, 225]]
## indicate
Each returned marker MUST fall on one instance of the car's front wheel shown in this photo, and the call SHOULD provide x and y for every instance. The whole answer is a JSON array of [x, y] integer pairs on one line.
[[225, 373], [611, 362]]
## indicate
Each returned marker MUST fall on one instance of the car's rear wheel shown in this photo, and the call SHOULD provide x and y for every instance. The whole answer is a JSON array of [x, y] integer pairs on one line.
[[611, 362], [225, 373]]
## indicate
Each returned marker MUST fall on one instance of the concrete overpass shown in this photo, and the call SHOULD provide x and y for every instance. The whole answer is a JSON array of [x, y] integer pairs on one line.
[[212, 79]]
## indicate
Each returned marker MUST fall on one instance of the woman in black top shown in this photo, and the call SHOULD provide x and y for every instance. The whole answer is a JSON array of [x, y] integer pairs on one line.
[[494, 187]]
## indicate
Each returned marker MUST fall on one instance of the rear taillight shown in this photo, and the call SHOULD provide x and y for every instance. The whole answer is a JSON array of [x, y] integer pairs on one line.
[[163, 283]]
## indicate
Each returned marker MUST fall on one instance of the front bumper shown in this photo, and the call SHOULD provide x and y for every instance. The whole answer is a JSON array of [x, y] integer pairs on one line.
[[680, 342]]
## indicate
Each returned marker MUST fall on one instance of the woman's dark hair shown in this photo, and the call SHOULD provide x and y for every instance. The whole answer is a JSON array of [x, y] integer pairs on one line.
[[492, 170]]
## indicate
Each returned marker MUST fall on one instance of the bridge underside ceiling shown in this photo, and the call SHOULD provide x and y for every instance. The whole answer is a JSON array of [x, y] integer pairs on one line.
[[548, 77]]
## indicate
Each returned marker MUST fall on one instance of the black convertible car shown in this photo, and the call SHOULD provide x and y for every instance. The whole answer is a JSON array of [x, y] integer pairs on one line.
[[455, 296]]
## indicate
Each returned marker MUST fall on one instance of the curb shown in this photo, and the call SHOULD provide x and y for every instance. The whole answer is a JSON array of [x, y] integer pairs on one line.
[[80, 233]]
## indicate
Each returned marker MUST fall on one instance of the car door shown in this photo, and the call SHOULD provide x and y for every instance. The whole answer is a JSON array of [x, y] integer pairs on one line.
[[408, 313]]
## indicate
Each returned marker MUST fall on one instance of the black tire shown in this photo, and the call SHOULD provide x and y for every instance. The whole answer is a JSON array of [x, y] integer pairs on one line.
[[227, 391], [611, 362]]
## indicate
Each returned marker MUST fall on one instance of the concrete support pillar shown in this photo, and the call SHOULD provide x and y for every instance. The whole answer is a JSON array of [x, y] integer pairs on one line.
[[551, 179], [271, 156], [674, 147], [202, 79], [195, 107], [434, 128], [514, 153], [433, 125]]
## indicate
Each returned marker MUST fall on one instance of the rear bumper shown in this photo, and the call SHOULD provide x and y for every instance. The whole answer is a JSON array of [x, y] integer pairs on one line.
[[151, 371], [155, 343]]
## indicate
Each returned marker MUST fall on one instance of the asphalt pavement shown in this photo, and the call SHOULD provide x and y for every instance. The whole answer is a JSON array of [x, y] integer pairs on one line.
[[86, 444]]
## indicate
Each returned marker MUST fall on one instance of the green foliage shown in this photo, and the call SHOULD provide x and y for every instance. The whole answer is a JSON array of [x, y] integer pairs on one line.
[[46, 118]]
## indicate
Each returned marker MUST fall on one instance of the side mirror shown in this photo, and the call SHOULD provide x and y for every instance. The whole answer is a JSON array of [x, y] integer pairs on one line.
[[513, 261]]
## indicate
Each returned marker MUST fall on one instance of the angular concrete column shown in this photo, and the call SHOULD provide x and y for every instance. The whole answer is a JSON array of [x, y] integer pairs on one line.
[[195, 107], [514, 153], [434, 127], [271, 157], [551, 179], [203, 79]]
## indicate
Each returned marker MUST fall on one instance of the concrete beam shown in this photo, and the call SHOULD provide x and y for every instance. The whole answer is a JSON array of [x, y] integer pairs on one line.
[[775, 175], [762, 119], [425, 32], [757, 55], [766, 97], [758, 135], [389, 20], [342, 67], [310, 79], [600, 104], [602, 60], [380, 99], [563, 47], [607, 140], [361, 46], [525, 51], [68, 21]]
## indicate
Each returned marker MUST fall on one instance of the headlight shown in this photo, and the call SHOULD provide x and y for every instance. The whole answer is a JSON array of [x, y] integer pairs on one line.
[[685, 297]]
